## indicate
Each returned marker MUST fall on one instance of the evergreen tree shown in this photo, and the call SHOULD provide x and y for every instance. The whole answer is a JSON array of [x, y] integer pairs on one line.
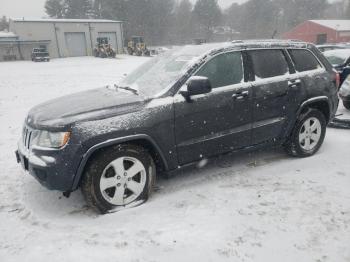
[[4, 24], [111, 9], [161, 20], [78, 9], [208, 14], [347, 9], [183, 26], [55, 8]]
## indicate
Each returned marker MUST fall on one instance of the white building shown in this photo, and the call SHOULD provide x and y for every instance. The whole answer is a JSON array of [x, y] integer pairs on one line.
[[69, 37], [11, 48]]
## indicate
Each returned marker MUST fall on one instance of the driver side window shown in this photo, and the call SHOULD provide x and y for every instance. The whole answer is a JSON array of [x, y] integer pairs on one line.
[[223, 70]]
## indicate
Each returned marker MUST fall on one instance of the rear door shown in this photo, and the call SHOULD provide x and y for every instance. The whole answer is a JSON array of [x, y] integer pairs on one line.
[[219, 121], [313, 77], [271, 96]]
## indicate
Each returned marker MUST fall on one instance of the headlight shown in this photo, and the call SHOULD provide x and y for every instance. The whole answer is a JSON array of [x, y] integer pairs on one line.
[[51, 139]]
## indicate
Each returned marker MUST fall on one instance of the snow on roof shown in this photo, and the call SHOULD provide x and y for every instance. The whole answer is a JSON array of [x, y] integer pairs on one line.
[[66, 20], [339, 25], [340, 52], [7, 34]]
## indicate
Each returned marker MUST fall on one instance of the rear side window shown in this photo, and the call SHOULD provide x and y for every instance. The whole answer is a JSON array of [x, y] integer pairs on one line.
[[304, 60], [269, 63], [224, 69]]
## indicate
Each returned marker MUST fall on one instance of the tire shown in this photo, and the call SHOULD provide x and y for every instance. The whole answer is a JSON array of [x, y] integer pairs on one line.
[[130, 51], [346, 104], [104, 188], [304, 141]]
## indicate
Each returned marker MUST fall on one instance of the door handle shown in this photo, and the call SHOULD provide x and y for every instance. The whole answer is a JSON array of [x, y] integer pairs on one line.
[[294, 83], [240, 95]]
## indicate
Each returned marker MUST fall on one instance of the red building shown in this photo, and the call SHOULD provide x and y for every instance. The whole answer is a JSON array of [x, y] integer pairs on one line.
[[321, 31]]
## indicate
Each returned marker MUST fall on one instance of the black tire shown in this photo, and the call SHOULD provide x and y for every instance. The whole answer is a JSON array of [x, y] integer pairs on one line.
[[346, 104], [90, 184], [130, 51], [293, 146]]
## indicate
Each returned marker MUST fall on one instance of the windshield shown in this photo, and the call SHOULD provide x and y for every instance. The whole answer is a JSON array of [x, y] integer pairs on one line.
[[337, 57], [161, 72]]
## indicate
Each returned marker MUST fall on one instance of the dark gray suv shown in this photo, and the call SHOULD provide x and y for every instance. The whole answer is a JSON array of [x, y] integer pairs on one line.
[[191, 103]]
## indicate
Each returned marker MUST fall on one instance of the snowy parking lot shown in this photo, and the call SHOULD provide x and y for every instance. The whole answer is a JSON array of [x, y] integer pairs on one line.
[[261, 206]]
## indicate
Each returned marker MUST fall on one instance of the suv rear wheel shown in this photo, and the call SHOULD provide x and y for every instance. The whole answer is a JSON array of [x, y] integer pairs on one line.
[[308, 134], [118, 176]]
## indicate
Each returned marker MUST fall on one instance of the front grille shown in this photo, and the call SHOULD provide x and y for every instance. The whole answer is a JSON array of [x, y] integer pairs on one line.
[[27, 137]]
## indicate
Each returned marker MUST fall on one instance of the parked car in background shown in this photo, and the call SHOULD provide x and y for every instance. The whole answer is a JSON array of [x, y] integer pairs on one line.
[[344, 92], [40, 55], [340, 59], [328, 47], [189, 104]]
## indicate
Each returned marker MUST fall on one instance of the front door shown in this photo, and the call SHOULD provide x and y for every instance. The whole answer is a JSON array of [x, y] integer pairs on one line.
[[219, 121]]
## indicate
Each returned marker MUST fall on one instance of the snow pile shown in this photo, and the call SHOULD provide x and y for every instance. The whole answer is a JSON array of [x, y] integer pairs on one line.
[[6, 34]]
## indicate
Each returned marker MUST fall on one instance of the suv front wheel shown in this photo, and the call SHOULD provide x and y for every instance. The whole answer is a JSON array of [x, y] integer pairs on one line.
[[308, 134], [117, 177]]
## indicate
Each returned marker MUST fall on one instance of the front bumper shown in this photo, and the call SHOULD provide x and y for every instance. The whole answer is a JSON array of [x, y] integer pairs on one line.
[[54, 169], [41, 59]]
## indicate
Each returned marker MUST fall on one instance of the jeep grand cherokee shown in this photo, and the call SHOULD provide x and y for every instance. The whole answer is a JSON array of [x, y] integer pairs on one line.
[[192, 103]]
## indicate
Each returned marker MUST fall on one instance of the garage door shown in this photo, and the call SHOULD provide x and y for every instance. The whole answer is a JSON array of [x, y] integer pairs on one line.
[[76, 44], [112, 38]]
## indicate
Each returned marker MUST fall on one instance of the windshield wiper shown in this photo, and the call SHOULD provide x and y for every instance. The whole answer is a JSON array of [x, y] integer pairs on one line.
[[134, 91]]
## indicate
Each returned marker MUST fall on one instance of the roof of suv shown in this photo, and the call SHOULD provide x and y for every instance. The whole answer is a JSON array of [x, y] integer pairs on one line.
[[213, 48], [267, 43]]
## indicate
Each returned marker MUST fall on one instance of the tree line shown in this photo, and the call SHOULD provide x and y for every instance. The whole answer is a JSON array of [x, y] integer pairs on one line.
[[179, 21], [4, 24]]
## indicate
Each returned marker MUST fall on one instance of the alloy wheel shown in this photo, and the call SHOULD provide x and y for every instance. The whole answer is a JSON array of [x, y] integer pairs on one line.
[[123, 181], [310, 134]]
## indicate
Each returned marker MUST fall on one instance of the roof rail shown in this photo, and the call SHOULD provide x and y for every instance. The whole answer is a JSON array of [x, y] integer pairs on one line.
[[265, 40]]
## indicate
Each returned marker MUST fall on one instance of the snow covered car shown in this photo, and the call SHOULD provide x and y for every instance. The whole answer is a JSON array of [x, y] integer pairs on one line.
[[40, 55], [180, 108], [340, 59], [328, 47], [344, 92]]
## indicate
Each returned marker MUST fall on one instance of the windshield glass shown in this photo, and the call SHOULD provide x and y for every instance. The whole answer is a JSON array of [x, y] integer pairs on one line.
[[163, 71], [338, 57]]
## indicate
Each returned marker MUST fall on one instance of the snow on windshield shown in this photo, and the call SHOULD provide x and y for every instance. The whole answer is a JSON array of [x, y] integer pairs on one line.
[[162, 71]]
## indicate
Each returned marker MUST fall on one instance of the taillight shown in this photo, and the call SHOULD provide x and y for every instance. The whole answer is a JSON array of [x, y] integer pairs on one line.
[[337, 80]]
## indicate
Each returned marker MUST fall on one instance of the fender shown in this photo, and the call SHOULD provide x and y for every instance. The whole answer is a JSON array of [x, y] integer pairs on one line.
[[307, 102], [313, 100], [111, 142]]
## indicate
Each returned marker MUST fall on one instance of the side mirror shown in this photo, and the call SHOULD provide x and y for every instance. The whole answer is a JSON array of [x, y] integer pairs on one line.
[[196, 85]]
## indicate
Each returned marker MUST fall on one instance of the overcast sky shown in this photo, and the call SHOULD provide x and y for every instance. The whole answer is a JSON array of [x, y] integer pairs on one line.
[[35, 8]]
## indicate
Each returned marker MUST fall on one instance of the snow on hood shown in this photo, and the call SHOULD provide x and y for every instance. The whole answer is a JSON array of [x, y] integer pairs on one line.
[[88, 105]]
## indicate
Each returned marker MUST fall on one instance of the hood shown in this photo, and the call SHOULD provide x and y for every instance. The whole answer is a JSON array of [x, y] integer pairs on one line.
[[83, 106]]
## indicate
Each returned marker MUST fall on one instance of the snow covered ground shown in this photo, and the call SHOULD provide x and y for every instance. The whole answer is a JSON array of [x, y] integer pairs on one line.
[[261, 206]]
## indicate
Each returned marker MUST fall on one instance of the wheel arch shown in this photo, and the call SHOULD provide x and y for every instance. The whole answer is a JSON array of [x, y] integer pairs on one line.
[[142, 139], [320, 103]]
